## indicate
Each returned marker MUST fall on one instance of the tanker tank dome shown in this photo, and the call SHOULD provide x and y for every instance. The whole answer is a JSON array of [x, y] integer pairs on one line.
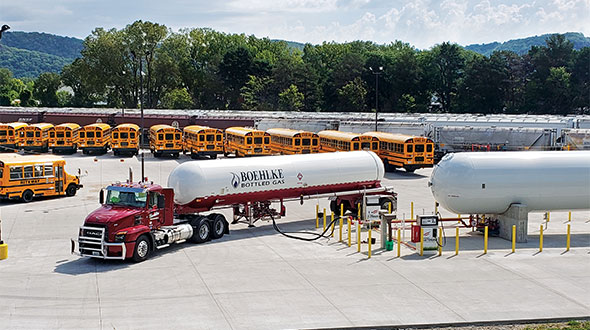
[[187, 180]]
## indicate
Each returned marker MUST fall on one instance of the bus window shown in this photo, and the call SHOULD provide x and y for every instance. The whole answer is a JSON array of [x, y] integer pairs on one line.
[[210, 137], [51, 134], [375, 145], [1, 173], [177, 136], [28, 171], [258, 140], [201, 138], [37, 134], [366, 145], [429, 148], [266, 140], [132, 135], [30, 134], [59, 134], [116, 135], [249, 140], [82, 134], [355, 146], [2, 133], [160, 136], [410, 148], [297, 142], [16, 173], [98, 134], [10, 133], [90, 135], [419, 148], [38, 170], [48, 170], [306, 142], [68, 134], [218, 137], [315, 142], [169, 136]]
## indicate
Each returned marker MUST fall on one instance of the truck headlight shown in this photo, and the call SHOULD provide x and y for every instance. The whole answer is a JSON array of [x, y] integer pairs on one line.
[[120, 236]]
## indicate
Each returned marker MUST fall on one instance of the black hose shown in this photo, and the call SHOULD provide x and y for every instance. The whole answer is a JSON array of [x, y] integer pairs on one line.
[[317, 236]]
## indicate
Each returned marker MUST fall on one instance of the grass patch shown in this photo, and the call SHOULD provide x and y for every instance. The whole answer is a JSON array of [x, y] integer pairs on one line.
[[571, 325]]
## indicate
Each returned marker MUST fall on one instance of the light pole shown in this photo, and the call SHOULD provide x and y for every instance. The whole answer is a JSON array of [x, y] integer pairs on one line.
[[141, 141], [376, 73]]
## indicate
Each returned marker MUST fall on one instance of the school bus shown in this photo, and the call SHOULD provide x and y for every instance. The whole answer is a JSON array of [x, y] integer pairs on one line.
[[242, 141], [332, 141], [165, 139], [125, 139], [404, 151], [35, 137], [64, 138], [203, 141], [28, 176], [286, 141], [95, 138], [10, 136]]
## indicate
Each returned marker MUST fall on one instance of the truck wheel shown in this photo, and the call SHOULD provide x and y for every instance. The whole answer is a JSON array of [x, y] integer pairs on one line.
[[157, 154], [71, 190], [27, 196], [219, 225], [142, 249], [410, 169], [201, 230]]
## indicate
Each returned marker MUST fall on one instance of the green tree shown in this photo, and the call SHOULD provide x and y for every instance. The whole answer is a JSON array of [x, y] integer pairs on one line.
[[234, 71], [352, 95], [46, 87], [558, 89], [291, 99], [177, 99], [447, 64], [256, 94], [64, 98]]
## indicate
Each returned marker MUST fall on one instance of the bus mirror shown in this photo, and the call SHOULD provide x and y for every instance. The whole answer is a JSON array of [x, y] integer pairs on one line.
[[101, 196]]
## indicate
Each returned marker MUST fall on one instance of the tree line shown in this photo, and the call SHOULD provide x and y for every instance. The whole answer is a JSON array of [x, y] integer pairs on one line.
[[206, 69]]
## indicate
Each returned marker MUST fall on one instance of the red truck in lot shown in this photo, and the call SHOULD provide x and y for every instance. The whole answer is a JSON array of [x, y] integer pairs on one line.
[[135, 218]]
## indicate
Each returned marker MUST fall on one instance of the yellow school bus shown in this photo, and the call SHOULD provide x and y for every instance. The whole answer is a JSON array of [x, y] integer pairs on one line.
[[10, 136], [35, 137], [28, 176], [203, 141], [64, 138], [95, 138], [165, 139], [125, 139], [287, 141], [332, 141], [404, 151], [242, 141]]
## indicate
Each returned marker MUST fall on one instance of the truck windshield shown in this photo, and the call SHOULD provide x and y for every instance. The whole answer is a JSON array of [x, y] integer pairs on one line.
[[126, 197]]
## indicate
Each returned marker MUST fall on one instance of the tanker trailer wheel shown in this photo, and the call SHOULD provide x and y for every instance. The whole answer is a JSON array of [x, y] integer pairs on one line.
[[218, 224], [201, 230], [71, 190], [142, 249], [335, 207], [27, 196]]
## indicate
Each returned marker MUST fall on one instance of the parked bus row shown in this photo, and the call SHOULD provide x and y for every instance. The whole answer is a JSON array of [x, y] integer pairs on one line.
[[396, 150]]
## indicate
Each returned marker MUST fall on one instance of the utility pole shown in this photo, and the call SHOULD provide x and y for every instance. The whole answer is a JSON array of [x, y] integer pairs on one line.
[[376, 73]]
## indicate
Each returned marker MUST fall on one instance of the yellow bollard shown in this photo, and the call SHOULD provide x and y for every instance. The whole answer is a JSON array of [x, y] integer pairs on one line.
[[485, 240], [389, 206], [317, 218], [440, 241], [513, 238], [341, 210], [567, 241], [358, 237], [456, 240], [435, 208], [333, 225], [324, 219], [399, 242], [3, 251], [359, 212], [548, 216], [412, 211], [541, 239], [340, 223], [370, 230], [349, 233], [421, 241], [459, 216], [569, 216]]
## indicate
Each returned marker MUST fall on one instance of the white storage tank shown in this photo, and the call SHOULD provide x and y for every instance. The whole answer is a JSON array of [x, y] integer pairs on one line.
[[489, 182]]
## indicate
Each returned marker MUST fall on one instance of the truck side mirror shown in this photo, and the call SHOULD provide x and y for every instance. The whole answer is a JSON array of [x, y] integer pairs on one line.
[[161, 202], [101, 196]]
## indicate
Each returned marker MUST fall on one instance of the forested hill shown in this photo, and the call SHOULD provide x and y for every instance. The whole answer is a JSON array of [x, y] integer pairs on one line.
[[28, 54], [522, 46]]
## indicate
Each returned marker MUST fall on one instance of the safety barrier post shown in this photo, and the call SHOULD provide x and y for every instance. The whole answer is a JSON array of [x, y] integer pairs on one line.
[[3, 246], [333, 225], [421, 241], [548, 216], [370, 230], [340, 224], [440, 242], [412, 211], [389, 206], [485, 240], [541, 239], [569, 216], [358, 236], [349, 233], [399, 242], [456, 240], [341, 210], [459, 216], [317, 217], [324, 219], [513, 238], [435, 208], [567, 241], [359, 212]]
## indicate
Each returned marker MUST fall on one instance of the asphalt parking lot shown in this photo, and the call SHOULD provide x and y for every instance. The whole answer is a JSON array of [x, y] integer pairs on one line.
[[255, 278]]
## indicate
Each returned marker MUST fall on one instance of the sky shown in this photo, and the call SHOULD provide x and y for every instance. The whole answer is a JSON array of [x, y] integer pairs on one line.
[[422, 23]]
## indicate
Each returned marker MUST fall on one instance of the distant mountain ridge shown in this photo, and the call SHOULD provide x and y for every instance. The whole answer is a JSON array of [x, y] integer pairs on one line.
[[522, 46], [67, 47]]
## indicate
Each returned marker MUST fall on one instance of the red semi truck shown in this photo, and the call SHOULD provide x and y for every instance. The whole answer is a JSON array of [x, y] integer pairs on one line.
[[134, 219]]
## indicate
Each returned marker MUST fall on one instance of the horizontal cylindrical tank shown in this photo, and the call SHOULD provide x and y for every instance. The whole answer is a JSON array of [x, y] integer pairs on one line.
[[204, 184], [489, 182]]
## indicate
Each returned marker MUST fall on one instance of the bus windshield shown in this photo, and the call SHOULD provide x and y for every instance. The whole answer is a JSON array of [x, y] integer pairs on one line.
[[133, 197]]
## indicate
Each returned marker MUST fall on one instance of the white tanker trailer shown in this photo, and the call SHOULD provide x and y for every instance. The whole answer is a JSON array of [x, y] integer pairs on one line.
[[489, 183], [254, 182]]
